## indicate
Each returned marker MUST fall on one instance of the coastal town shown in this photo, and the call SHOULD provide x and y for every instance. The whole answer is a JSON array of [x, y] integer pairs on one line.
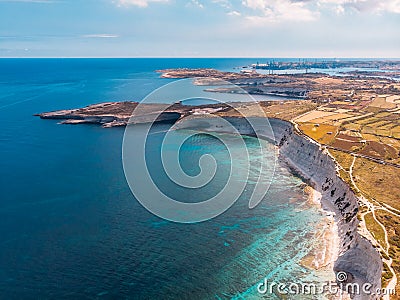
[[355, 118]]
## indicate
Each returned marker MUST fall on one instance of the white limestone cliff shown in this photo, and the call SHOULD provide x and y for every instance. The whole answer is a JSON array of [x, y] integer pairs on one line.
[[357, 257]]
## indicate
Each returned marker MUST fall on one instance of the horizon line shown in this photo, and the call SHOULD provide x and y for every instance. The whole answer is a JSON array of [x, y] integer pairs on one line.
[[193, 57]]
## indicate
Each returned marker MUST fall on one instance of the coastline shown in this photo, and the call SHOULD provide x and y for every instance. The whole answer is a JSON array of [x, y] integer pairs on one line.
[[324, 255], [356, 255]]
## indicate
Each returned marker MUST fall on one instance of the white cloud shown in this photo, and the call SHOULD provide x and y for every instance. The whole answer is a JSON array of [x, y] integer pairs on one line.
[[195, 3], [140, 3], [274, 11], [234, 13], [100, 35], [263, 12], [255, 4], [366, 5], [223, 3], [340, 9]]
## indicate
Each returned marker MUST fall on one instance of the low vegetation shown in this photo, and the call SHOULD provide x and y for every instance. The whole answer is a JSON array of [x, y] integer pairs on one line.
[[321, 133], [344, 159], [378, 182], [392, 225], [375, 229]]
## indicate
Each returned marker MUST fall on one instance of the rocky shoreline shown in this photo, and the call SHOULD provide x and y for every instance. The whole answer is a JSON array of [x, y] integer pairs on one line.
[[356, 255], [115, 114]]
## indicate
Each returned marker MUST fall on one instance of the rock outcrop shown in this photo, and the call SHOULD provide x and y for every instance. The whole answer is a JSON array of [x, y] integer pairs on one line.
[[113, 114], [357, 257]]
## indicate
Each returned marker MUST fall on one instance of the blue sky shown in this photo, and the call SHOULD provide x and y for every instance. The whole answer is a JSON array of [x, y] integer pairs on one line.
[[199, 28]]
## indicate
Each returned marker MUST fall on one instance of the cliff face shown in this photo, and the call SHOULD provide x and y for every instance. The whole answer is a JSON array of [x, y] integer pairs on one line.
[[357, 257]]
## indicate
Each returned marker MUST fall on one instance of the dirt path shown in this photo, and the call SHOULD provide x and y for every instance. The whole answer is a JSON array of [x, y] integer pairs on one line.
[[391, 209], [371, 208]]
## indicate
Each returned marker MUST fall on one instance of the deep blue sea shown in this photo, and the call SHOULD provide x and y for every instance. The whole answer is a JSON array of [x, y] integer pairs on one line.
[[70, 227]]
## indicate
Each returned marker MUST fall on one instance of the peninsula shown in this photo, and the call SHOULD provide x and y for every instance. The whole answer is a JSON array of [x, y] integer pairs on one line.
[[343, 136]]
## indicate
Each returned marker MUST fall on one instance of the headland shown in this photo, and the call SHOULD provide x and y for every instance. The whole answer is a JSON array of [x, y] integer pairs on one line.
[[343, 138]]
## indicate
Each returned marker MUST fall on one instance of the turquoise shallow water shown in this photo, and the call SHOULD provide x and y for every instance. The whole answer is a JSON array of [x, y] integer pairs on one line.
[[70, 227]]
